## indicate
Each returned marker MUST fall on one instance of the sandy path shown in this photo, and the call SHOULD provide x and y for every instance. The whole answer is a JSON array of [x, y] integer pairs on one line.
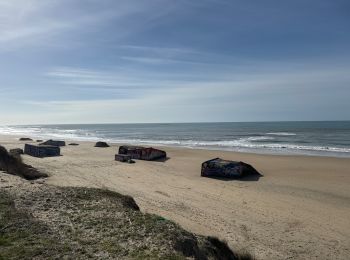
[[299, 209]]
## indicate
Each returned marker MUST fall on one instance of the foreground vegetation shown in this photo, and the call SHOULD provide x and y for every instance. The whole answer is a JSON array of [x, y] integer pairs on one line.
[[81, 223], [12, 164]]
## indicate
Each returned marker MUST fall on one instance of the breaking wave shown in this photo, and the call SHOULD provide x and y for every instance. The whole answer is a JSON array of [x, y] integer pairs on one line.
[[282, 134], [39, 132], [271, 142], [235, 145]]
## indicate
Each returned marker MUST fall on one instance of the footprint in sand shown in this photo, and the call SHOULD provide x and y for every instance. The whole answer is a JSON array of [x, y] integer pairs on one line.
[[163, 193]]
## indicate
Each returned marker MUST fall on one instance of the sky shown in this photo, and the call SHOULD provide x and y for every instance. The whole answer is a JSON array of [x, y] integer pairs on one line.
[[133, 61]]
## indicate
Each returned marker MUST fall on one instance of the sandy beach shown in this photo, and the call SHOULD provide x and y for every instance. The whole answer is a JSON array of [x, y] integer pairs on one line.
[[298, 209]]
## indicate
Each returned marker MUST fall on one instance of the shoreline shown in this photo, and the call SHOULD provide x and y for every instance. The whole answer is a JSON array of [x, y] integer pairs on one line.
[[297, 209], [253, 151]]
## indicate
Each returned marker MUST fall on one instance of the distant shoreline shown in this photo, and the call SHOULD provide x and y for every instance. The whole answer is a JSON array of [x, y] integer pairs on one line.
[[199, 122], [267, 141], [15, 138]]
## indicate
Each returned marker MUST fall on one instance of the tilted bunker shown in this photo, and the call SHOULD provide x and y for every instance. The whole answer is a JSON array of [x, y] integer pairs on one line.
[[54, 143], [226, 169], [142, 153]]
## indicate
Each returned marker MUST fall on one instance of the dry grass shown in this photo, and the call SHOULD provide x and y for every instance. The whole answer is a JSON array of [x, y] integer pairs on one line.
[[86, 223], [14, 165]]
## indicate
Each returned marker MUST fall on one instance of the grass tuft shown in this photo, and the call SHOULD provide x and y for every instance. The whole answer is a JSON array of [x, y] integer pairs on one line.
[[12, 164], [91, 223]]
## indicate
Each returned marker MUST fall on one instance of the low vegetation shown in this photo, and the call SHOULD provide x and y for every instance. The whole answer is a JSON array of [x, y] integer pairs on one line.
[[81, 223], [13, 165]]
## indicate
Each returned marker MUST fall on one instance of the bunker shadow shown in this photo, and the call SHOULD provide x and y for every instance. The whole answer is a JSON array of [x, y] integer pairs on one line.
[[247, 177], [161, 159]]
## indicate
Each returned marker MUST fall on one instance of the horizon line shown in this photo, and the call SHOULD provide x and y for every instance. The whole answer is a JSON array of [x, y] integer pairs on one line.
[[195, 122]]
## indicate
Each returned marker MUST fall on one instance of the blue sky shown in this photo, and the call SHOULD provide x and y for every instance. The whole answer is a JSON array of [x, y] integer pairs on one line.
[[111, 61]]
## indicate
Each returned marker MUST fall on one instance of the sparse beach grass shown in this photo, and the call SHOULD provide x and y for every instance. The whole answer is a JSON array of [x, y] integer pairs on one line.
[[81, 223]]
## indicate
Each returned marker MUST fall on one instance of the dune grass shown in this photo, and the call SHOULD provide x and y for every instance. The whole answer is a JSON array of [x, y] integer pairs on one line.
[[14, 165], [86, 223]]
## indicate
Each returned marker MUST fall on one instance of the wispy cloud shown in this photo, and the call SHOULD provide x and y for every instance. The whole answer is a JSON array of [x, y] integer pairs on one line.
[[159, 55], [199, 100], [162, 61], [236, 85], [163, 51], [115, 79], [33, 21], [85, 77]]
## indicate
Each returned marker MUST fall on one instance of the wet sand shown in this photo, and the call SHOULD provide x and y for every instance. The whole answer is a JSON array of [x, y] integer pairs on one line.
[[298, 209]]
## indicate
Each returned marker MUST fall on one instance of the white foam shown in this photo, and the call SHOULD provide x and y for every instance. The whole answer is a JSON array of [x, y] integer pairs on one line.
[[282, 133], [240, 143], [235, 144], [258, 138], [38, 132]]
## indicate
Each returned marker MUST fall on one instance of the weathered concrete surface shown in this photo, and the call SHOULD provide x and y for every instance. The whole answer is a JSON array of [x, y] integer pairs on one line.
[[142, 153], [41, 150], [226, 169], [122, 157], [101, 144], [54, 143], [25, 139]]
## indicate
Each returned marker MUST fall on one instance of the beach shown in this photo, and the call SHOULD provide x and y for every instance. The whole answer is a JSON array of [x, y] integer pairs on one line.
[[299, 207]]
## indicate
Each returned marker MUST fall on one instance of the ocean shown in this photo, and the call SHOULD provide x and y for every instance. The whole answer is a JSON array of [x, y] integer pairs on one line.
[[325, 138]]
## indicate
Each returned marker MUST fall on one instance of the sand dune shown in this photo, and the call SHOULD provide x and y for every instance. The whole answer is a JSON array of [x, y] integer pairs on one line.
[[299, 209]]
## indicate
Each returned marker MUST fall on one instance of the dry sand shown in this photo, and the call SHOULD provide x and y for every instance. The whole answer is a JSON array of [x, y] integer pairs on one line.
[[299, 209]]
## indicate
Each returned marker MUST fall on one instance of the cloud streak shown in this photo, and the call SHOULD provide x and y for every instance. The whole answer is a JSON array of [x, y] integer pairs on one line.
[[34, 22]]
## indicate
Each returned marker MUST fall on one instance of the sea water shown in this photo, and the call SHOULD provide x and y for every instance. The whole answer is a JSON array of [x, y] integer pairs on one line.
[[328, 138]]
